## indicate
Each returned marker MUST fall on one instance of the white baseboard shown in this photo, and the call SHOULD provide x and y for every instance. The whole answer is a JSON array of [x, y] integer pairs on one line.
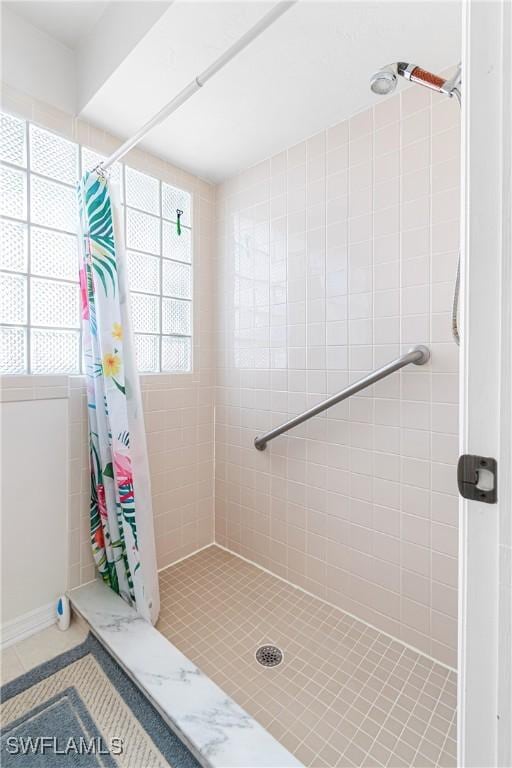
[[34, 621]]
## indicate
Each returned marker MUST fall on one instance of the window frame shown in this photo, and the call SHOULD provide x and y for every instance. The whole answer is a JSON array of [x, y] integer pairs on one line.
[[28, 224]]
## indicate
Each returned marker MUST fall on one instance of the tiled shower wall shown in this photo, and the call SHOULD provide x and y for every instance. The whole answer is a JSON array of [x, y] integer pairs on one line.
[[333, 257]]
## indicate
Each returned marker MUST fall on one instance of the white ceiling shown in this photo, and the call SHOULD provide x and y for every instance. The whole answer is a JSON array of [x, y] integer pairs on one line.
[[306, 72], [309, 70], [67, 22]]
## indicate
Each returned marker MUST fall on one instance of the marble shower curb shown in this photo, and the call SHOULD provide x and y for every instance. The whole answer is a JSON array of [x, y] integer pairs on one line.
[[216, 729]]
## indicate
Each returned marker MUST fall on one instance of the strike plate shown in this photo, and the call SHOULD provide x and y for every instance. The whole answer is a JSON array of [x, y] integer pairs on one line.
[[472, 474]]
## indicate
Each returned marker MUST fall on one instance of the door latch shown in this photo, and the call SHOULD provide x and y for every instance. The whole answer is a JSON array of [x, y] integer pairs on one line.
[[477, 478]]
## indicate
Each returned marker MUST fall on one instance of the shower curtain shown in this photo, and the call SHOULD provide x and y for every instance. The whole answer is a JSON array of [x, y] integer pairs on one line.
[[121, 519]]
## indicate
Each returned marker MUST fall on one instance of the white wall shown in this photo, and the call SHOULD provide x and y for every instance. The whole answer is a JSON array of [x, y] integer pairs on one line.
[[37, 64], [112, 38], [33, 468]]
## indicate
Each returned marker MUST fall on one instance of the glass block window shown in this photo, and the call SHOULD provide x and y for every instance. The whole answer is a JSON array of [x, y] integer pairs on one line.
[[159, 271], [40, 306]]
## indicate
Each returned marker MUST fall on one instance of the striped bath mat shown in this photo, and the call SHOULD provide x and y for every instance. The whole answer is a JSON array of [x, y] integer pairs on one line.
[[80, 709]]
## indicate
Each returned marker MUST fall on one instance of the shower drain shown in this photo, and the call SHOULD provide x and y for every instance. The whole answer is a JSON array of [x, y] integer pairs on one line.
[[269, 655]]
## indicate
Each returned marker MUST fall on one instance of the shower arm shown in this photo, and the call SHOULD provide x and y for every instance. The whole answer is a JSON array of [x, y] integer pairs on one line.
[[418, 355], [184, 95], [452, 86]]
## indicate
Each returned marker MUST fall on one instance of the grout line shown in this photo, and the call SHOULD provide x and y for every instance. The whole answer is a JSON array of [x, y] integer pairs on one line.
[[361, 643], [430, 718], [360, 728], [430, 329], [453, 720], [185, 557], [429, 723], [382, 728], [332, 605]]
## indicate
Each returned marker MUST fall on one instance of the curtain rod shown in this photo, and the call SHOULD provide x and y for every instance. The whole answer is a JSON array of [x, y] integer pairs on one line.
[[200, 80]]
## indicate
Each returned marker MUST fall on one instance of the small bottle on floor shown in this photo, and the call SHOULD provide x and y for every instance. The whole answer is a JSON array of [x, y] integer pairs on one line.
[[63, 613]]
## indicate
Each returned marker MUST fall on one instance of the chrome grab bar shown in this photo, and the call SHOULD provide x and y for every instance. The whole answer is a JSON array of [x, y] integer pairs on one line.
[[418, 355]]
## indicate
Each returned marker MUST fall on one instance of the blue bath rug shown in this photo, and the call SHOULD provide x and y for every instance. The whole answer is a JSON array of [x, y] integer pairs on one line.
[[81, 710]]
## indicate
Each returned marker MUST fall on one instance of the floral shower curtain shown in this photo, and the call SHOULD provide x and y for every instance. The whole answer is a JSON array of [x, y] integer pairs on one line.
[[122, 534]]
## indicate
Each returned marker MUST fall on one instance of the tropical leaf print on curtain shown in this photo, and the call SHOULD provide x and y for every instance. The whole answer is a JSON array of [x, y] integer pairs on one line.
[[110, 372]]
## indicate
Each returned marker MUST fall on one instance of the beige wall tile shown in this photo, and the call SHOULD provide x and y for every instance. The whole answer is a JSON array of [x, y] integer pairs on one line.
[[364, 496]]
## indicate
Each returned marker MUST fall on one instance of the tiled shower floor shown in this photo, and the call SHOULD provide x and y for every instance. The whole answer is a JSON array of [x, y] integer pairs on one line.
[[344, 695]]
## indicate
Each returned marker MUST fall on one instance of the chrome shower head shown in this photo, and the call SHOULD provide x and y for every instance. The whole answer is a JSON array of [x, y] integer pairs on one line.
[[384, 81]]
